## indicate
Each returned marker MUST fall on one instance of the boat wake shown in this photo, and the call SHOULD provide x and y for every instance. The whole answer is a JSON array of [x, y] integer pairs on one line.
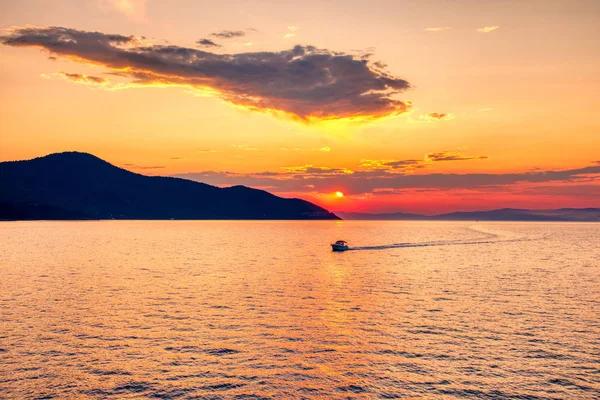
[[487, 239]]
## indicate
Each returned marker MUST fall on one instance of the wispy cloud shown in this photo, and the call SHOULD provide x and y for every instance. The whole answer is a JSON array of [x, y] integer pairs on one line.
[[244, 147], [82, 78], [487, 29], [292, 32], [326, 149], [227, 34], [224, 35], [435, 117], [451, 156], [409, 165], [438, 29], [310, 170], [303, 82], [135, 166], [207, 43]]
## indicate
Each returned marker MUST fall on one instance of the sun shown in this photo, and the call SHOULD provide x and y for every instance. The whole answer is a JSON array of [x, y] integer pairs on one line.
[[339, 194]]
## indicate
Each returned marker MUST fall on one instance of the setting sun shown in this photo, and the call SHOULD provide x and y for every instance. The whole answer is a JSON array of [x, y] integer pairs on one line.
[[339, 194]]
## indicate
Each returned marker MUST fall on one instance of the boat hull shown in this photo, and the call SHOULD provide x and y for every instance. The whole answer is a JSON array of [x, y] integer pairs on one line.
[[339, 247]]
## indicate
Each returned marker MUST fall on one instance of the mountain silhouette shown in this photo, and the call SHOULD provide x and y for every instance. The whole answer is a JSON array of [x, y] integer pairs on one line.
[[75, 185], [504, 214]]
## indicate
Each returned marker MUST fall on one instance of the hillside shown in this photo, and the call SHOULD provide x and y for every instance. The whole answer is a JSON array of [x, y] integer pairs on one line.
[[75, 185]]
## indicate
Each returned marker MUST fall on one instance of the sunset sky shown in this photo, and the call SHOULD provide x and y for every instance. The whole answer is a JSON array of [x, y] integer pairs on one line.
[[415, 106]]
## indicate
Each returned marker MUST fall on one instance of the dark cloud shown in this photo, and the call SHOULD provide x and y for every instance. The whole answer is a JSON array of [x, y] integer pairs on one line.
[[437, 115], [207, 43], [228, 34], [408, 165], [308, 171], [404, 163], [304, 81], [81, 78], [452, 156], [378, 180]]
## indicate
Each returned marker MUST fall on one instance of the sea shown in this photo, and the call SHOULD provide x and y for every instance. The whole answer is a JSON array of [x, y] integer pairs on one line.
[[265, 310]]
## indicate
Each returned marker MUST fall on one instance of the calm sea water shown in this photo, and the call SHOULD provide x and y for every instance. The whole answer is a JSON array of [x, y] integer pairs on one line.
[[248, 310]]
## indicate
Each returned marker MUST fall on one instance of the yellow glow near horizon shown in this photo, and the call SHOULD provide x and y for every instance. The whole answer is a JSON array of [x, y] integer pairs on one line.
[[339, 194]]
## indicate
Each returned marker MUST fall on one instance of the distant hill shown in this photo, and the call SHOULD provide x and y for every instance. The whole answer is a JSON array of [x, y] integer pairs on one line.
[[505, 214], [76, 185], [381, 217]]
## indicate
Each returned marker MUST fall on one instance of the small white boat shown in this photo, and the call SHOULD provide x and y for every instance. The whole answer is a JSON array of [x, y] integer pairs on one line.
[[340, 245]]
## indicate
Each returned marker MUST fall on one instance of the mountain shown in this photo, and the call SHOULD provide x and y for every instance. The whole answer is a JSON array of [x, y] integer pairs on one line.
[[75, 185], [381, 217], [505, 214]]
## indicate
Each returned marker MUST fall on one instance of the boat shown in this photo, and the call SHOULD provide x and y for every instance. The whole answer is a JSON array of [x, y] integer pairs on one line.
[[340, 245]]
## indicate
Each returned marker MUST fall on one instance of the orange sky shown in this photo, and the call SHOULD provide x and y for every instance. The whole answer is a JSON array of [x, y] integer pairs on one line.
[[425, 106]]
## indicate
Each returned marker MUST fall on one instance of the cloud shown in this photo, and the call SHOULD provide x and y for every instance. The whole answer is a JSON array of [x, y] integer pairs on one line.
[[412, 164], [404, 164], [378, 64], [438, 29], [134, 166], [451, 156], [306, 171], [363, 182], [206, 151], [487, 29], [435, 117], [292, 32], [374, 164], [207, 43], [226, 34], [326, 149], [304, 82], [84, 79]]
